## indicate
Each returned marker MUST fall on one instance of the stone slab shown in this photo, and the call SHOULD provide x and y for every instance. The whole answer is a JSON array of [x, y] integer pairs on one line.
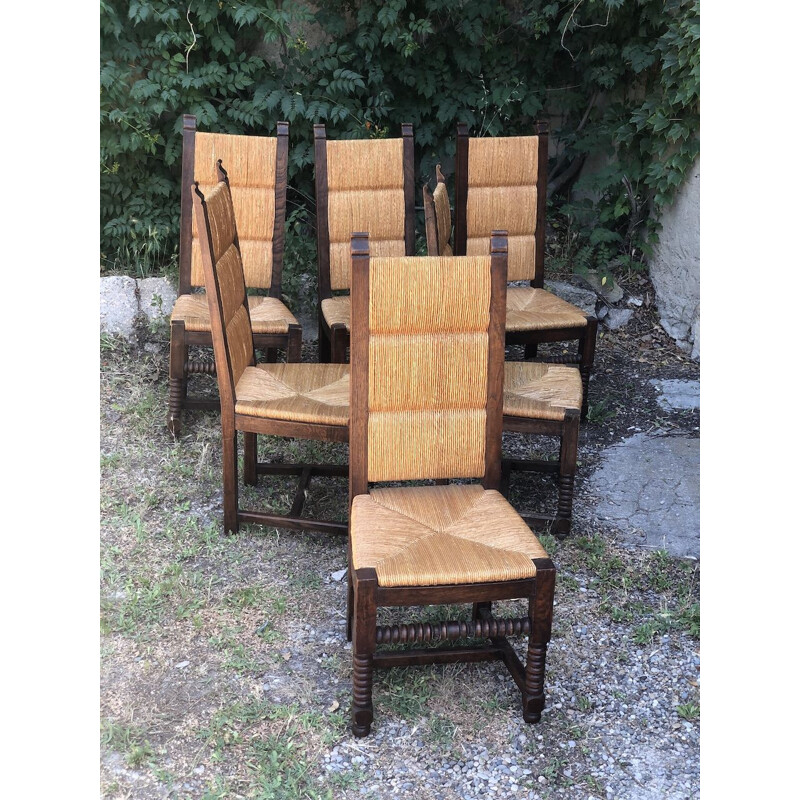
[[649, 488], [156, 298], [119, 305], [677, 394], [585, 299], [617, 318]]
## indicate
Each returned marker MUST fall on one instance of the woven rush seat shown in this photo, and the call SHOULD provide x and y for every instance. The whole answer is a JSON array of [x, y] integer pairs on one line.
[[437, 535], [336, 310], [537, 309], [540, 391], [315, 393], [267, 314]]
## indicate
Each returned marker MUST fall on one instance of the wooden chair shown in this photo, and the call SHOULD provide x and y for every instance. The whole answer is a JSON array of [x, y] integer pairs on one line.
[[538, 398], [361, 185], [259, 195], [308, 401], [435, 416], [502, 182]]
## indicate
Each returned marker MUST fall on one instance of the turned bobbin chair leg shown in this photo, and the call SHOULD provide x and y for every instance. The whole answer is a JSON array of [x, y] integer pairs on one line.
[[540, 613], [178, 355], [350, 606], [586, 347], [567, 465], [364, 646]]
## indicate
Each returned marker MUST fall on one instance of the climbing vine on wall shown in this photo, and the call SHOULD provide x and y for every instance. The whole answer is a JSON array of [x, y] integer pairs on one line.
[[619, 80]]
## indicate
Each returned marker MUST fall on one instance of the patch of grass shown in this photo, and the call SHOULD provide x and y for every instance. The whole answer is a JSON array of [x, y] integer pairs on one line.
[[688, 711], [150, 599], [405, 691], [347, 779], [583, 702], [307, 579], [441, 731], [128, 740], [600, 413], [236, 655]]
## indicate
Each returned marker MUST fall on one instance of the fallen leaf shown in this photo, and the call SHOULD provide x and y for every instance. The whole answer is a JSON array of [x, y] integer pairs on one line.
[[334, 706]]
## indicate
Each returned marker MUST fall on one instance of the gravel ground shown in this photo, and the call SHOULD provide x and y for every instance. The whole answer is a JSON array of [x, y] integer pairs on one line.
[[225, 672]]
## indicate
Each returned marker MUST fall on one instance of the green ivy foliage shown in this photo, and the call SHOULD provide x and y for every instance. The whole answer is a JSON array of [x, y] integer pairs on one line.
[[618, 78]]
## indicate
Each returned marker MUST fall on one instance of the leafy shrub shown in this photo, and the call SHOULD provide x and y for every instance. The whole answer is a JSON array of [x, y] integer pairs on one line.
[[617, 77]]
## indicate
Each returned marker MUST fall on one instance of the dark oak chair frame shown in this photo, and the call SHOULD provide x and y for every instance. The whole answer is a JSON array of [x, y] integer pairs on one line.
[[365, 596], [566, 430], [585, 336], [335, 339], [251, 426], [564, 469], [180, 366]]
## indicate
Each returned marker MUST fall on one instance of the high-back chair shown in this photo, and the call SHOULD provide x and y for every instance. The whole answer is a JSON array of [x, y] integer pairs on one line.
[[361, 185], [435, 416], [538, 398], [308, 401], [259, 168], [502, 182]]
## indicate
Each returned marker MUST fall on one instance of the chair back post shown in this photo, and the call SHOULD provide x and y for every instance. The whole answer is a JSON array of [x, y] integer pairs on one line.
[[431, 227], [219, 336], [542, 130], [187, 194], [408, 186], [323, 234], [224, 373], [462, 184], [359, 363], [496, 359], [279, 227]]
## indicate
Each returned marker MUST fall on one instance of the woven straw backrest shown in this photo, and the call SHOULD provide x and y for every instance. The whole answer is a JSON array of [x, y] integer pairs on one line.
[[366, 191], [253, 165], [429, 364], [231, 330], [504, 186]]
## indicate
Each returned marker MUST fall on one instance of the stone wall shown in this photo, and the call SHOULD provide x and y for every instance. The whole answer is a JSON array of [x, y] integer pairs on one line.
[[675, 265]]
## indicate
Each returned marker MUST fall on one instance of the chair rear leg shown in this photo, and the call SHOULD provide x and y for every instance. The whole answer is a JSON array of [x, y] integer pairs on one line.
[[294, 348], [540, 611], [366, 583], [324, 343], [230, 483], [250, 476], [567, 464], [531, 350], [178, 354], [586, 347]]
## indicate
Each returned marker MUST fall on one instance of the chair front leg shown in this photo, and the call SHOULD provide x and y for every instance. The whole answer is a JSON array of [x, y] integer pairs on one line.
[[567, 465], [230, 482], [366, 582], [350, 605], [178, 354], [294, 349], [540, 612]]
